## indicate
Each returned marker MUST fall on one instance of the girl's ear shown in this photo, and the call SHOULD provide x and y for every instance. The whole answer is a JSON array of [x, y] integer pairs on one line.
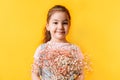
[[47, 27]]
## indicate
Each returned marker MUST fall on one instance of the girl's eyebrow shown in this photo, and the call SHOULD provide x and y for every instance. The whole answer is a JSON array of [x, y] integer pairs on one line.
[[58, 20], [55, 20], [66, 19]]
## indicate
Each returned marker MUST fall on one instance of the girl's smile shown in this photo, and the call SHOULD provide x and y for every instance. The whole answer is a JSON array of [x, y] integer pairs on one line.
[[60, 31]]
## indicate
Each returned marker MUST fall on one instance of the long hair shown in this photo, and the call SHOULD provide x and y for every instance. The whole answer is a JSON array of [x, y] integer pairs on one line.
[[47, 35]]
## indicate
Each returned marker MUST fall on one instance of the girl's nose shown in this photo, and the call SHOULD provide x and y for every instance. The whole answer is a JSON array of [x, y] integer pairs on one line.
[[60, 26]]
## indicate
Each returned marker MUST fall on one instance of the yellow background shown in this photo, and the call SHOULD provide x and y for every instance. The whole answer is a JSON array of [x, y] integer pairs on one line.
[[95, 28]]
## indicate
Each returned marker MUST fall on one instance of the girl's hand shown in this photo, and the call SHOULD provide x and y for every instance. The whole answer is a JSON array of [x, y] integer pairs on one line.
[[35, 76], [81, 77]]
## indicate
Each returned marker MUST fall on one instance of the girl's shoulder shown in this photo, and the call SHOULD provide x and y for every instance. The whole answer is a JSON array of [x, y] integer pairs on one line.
[[77, 50], [74, 46], [39, 48]]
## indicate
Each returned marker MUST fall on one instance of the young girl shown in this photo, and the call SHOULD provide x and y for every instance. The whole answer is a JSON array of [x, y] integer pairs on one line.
[[56, 58]]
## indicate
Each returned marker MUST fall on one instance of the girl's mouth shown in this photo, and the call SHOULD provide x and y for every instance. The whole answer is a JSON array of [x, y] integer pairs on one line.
[[61, 32]]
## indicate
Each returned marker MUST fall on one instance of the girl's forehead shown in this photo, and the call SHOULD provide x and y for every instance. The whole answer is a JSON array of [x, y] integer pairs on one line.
[[59, 16]]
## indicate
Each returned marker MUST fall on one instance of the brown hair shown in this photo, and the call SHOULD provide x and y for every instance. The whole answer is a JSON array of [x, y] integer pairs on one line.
[[47, 35]]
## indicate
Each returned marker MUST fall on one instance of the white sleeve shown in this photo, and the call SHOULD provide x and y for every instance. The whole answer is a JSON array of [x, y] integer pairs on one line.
[[80, 53], [36, 63], [37, 52]]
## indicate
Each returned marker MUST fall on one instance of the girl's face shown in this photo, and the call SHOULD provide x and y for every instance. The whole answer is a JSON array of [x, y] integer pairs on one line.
[[58, 26]]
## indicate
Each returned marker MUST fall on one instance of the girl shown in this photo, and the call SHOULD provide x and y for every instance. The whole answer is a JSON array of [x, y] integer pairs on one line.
[[56, 58]]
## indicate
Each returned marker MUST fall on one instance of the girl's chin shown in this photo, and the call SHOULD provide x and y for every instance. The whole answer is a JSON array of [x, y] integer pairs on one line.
[[60, 37]]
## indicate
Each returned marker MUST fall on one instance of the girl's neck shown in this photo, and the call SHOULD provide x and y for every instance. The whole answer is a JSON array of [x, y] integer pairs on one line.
[[59, 41]]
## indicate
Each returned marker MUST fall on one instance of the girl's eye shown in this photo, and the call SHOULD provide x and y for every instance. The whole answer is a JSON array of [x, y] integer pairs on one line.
[[55, 22], [65, 23]]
